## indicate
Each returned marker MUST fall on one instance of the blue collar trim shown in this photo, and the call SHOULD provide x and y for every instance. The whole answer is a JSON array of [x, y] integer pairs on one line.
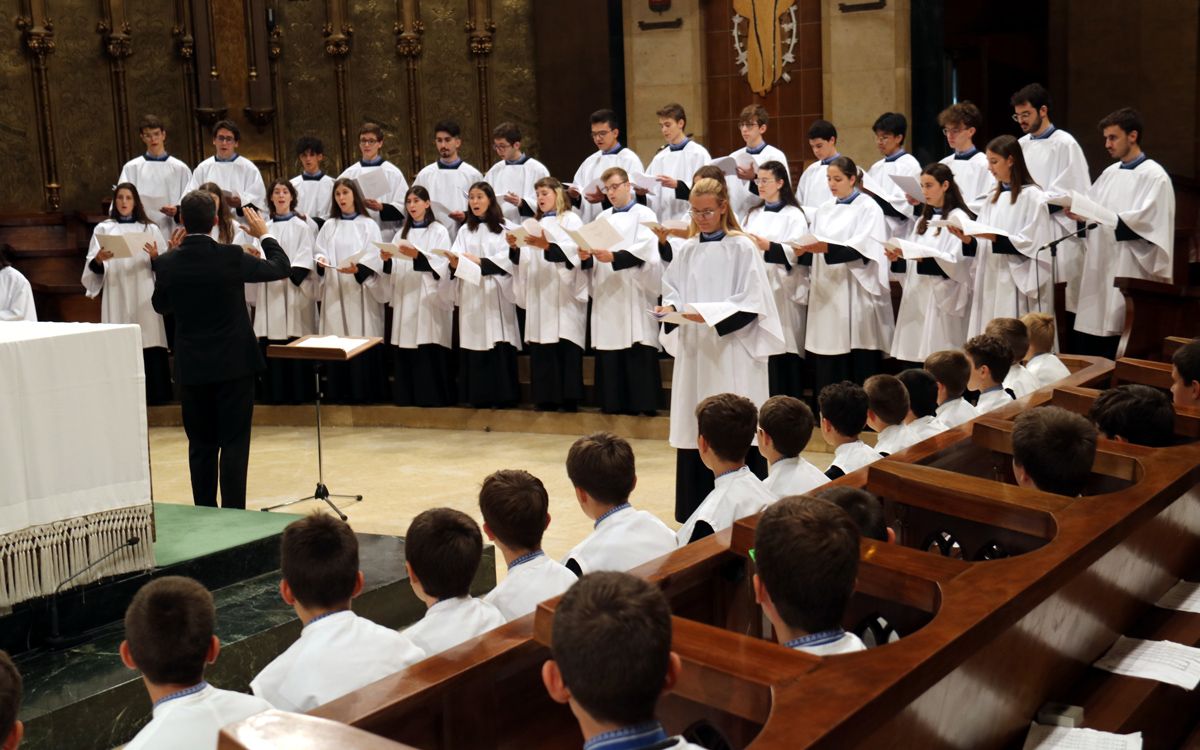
[[1005, 187], [614, 150], [1134, 164], [1049, 132], [627, 207], [420, 224], [829, 160], [350, 217], [611, 511], [315, 176], [716, 236], [679, 146], [323, 616], [449, 165], [526, 558], [225, 161], [994, 388], [757, 149], [966, 154], [517, 162], [181, 694], [849, 198], [371, 162], [773, 207], [550, 213], [284, 217], [895, 156], [817, 639], [126, 220], [150, 157], [731, 471], [633, 737]]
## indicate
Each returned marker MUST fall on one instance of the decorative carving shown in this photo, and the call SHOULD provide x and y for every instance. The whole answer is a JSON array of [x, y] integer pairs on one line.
[[408, 38], [118, 45], [338, 32], [480, 28], [409, 30], [338, 44], [37, 31], [763, 58], [185, 42]]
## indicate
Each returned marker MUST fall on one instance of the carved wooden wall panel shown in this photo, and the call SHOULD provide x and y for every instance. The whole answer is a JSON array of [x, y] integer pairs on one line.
[[377, 83], [21, 188], [448, 78], [308, 101], [514, 95], [153, 80]]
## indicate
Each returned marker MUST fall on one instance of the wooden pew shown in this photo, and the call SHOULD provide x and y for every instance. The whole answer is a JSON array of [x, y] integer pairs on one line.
[[1172, 344], [1079, 400], [271, 730], [1144, 371], [48, 249]]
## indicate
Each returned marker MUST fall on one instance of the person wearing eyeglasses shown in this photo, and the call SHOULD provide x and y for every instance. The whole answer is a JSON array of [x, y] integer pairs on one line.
[[386, 209], [514, 176], [960, 123], [1056, 163], [609, 153], [238, 177], [719, 283], [891, 129], [448, 178]]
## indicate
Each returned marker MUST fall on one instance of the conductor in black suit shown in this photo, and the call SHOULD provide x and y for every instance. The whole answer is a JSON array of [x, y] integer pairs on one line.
[[216, 354]]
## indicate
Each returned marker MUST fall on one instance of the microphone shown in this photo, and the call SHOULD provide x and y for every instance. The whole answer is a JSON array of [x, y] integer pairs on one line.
[[1052, 246], [55, 639]]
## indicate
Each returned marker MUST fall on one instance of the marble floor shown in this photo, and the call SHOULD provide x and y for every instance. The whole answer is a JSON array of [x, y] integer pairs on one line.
[[401, 471]]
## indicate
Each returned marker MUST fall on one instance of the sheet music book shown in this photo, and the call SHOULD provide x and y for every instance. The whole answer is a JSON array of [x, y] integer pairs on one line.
[[644, 181], [154, 205], [127, 245], [668, 224], [969, 227], [347, 261], [1081, 205], [334, 342], [373, 183], [1045, 737], [910, 185], [598, 235], [910, 250], [729, 165], [1184, 596], [675, 317], [587, 188], [1163, 661], [394, 248], [810, 239]]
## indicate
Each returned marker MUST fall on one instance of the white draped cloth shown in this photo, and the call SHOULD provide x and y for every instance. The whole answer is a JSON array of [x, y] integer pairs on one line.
[[680, 162], [423, 302], [933, 309], [165, 180], [593, 167], [621, 298], [349, 308], [1056, 163], [71, 497], [487, 313], [238, 175]]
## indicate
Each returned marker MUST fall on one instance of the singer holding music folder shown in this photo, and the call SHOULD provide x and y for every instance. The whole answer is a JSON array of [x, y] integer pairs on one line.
[[216, 353]]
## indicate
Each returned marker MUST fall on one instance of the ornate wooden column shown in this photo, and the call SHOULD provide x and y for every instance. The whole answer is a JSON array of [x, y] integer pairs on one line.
[[118, 45], [186, 48], [274, 51], [210, 102], [338, 31], [480, 28], [37, 35], [408, 45]]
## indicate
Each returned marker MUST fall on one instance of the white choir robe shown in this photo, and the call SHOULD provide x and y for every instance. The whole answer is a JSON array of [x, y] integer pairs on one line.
[[734, 495], [127, 284], [192, 722], [741, 199], [314, 195], [347, 307], [283, 310], [972, 176], [790, 282], [239, 176], [843, 643], [422, 305], [849, 457], [894, 438], [926, 427], [335, 655], [793, 476], [594, 166], [1144, 201], [900, 163], [1056, 163], [528, 584], [1006, 285], [397, 188], [850, 304], [621, 299], [812, 189], [1047, 368], [680, 162], [554, 295], [516, 177], [993, 399], [622, 541], [166, 178], [718, 278], [448, 185], [934, 307], [956, 411], [452, 621], [487, 313], [16, 296], [1020, 381]]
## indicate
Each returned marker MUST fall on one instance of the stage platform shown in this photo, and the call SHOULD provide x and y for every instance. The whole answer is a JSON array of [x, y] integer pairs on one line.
[[83, 696]]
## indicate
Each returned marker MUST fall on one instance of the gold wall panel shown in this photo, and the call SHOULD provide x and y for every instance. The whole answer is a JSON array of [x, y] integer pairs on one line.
[[377, 84], [21, 188], [308, 103], [154, 82], [514, 95], [448, 79]]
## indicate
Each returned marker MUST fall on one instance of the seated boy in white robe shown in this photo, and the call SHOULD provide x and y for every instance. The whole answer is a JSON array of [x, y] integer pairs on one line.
[[1040, 361], [726, 425], [442, 550], [864, 508], [516, 511], [785, 425], [1018, 380], [922, 389], [887, 408], [601, 468], [843, 408], [338, 651], [611, 660], [952, 371], [990, 358], [1135, 413], [169, 638], [806, 558], [1053, 450], [1185, 375], [11, 728]]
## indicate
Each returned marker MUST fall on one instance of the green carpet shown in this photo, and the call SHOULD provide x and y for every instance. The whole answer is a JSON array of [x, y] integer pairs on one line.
[[186, 532]]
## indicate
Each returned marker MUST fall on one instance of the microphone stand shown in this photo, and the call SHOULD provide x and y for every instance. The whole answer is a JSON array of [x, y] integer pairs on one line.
[[1052, 246], [55, 640]]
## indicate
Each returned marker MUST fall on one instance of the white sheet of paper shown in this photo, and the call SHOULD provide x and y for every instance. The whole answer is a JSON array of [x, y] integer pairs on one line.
[[1184, 596], [1045, 737], [521, 234], [969, 227], [1081, 205], [726, 164], [440, 210], [347, 261], [394, 248], [590, 187], [154, 205], [675, 317], [745, 160], [910, 250], [469, 271], [644, 181], [598, 235], [910, 185], [1060, 200], [713, 312], [373, 184], [1164, 661], [668, 224], [810, 239], [334, 342], [125, 245]]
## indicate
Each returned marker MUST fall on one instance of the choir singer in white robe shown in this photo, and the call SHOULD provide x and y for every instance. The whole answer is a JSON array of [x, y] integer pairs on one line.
[[812, 189], [891, 129], [513, 177], [448, 178], [16, 295], [674, 165], [314, 188], [239, 178], [158, 175], [960, 122], [1140, 246], [719, 283], [752, 125], [385, 208], [609, 153]]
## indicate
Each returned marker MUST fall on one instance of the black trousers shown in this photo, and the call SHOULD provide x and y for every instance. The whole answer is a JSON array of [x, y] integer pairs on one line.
[[856, 366], [422, 376], [1094, 346], [694, 480], [628, 381], [216, 418], [158, 376], [556, 375], [786, 375]]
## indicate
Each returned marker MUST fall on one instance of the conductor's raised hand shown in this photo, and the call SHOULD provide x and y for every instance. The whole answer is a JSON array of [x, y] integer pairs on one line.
[[255, 226], [151, 249], [176, 238]]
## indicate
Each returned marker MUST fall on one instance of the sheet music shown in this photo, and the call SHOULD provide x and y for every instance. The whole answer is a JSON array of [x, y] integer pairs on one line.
[[394, 248], [125, 245], [1044, 737], [373, 183], [1184, 596], [598, 235], [910, 185], [668, 224], [910, 250], [333, 342], [644, 181], [969, 227], [675, 317], [1162, 661], [346, 262], [726, 164], [154, 205], [1081, 205]]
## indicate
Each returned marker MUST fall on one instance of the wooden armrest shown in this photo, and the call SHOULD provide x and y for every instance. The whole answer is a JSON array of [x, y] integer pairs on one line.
[[1113, 459], [1144, 371], [1172, 344], [1128, 284]]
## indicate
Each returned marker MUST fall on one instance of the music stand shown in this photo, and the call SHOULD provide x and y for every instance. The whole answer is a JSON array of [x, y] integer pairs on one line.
[[318, 355]]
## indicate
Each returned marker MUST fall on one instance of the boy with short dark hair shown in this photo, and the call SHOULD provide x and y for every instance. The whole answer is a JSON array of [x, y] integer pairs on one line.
[[442, 550], [1040, 361], [1134, 413], [990, 359], [960, 122], [1018, 380], [752, 124], [314, 188], [238, 177], [785, 425], [891, 132], [449, 178], [922, 390], [887, 408], [726, 423], [1053, 450], [606, 135], [806, 557], [169, 639], [513, 177], [516, 511], [338, 651], [843, 408], [161, 179], [864, 508], [612, 659], [812, 189], [1185, 375], [952, 371], [385, 206], [601, 468], [11, 728]]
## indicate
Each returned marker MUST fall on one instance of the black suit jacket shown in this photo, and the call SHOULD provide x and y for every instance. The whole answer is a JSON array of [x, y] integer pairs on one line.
[[202, 283]]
